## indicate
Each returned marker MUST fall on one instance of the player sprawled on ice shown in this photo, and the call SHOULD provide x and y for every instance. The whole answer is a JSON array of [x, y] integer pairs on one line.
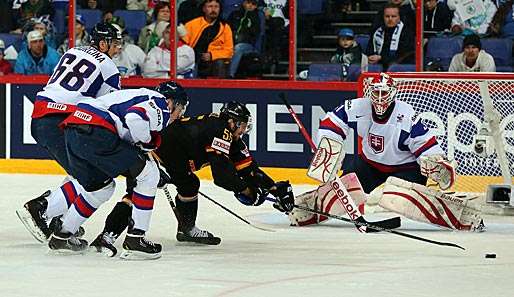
[[82, 73], [397, 151], [190, 144]]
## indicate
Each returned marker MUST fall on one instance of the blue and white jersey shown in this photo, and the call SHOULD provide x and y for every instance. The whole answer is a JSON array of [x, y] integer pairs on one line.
[[82, 73], [131, 113], [390, 145]]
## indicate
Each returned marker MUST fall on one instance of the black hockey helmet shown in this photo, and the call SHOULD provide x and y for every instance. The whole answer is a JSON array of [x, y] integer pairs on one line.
[[104, 31], [238, 112], [172, 90]]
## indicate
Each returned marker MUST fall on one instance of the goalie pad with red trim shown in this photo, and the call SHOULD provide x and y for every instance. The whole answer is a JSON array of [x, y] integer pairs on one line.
[[324, 199], [440, 170], [423, 204]]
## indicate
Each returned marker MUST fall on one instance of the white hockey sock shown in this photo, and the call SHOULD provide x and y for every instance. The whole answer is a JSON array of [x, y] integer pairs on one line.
[[84, 206], [62, 198], [144, 196]]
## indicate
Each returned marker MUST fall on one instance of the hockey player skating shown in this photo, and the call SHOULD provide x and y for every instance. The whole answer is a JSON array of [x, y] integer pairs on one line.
[[190, 144], [107, 137], [396, 149], [83, 72]]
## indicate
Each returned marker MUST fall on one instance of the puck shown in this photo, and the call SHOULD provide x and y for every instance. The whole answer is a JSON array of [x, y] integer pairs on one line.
[[490, 256]]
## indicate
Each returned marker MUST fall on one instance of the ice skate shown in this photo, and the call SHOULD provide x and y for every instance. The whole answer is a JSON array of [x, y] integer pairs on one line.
[[57, 220], [66, 243], [137, 247], [197, 236], [104, 243], [32, 215]]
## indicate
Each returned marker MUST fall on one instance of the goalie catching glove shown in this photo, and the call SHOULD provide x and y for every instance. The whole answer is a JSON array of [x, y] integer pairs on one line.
[[439, 169]]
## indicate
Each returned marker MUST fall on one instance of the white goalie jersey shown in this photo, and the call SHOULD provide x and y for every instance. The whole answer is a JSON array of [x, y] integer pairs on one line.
[[390, 145]]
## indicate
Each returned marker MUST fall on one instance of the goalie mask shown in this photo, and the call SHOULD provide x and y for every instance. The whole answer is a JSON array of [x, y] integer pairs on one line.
[[383, 90]]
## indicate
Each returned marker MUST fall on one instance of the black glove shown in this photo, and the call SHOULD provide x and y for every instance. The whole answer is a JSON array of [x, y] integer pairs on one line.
[[164, 178], [284, 195], [251, 196]]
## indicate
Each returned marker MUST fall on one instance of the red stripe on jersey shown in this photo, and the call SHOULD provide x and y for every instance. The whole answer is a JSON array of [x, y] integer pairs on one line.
[[329, 125], [84, 117], [70, 193], [142, 202], [437, 219], [389, 168], [139, 111], [83, 208], [430, 143], [43, 108]]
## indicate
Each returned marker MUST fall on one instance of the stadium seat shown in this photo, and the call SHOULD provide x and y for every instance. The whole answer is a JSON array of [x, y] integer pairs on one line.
[[91, 17], [311, 6], [362, 40], [500, 49], [402, 68], [324, 72], [504, 69], [134, 21], [12, 39], [442, 50], [375, 68]]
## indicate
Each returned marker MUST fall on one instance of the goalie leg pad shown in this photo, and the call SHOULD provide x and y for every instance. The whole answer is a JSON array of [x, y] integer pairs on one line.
[[324, 199], [426, 205]]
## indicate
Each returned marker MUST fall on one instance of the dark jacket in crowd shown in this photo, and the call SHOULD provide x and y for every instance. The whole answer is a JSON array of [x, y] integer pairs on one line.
[[405, 52], [352, 55], [245, 25], [188, 10], [438, 19]]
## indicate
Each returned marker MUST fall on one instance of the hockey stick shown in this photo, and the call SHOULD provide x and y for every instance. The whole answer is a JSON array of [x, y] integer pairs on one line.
[[171, 202], [390, 222], [235, 214], [377, 228]]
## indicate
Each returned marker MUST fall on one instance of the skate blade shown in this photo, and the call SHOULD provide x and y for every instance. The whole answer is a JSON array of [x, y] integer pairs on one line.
[[27, 221], [65, 252], [138, 256], [102, 251]]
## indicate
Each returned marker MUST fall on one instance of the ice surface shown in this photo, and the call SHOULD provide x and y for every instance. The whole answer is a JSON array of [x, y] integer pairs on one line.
[[328, 260]]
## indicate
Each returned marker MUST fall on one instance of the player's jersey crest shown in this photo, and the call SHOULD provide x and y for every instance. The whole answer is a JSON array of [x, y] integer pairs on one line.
[[376, 142]]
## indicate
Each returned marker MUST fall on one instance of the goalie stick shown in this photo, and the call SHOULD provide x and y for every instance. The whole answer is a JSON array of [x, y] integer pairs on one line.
[[355, 215]]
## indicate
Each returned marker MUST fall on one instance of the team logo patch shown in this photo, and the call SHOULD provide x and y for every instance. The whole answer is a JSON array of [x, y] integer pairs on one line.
[[376, 142], [221, 145], [57, 106]]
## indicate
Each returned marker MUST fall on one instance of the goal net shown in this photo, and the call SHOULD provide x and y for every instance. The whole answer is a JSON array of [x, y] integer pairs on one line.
[[453, 106]]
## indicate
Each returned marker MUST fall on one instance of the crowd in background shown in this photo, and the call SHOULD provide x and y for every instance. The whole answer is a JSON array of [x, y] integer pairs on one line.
[[212, 43]]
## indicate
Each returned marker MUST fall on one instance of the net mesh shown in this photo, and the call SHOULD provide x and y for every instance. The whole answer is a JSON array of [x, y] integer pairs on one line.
[[454, 109]]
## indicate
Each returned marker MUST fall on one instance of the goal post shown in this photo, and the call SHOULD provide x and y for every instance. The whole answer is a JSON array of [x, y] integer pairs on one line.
[[472, 115]]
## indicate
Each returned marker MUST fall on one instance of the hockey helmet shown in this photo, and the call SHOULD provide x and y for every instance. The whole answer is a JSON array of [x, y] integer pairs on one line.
[[383, 90], [238, 112], [104, 31], [174, 91]]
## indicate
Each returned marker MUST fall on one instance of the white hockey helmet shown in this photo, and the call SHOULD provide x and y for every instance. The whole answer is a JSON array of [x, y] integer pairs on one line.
[[383, 90]]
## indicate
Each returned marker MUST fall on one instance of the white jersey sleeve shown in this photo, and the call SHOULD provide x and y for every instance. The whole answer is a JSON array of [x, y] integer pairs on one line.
[[82, 73]]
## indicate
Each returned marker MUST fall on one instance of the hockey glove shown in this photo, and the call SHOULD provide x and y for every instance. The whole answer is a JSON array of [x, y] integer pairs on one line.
[[251, 196], [164, 178], [284, 195], [154, 143], [439, 170]]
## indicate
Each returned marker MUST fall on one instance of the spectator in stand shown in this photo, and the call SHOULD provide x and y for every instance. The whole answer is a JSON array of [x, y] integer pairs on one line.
[[473, 58], [44, 25], [211, 38], [149, 37], [82, 38], [502, 24], [137, 5], [104, 5], [130, 59], [157, 63], [407, 14], [438, 16], [6, 17], [188, 10], [348, 51], [32, 9], [477, 24], [5, 66], [246, 27], [88, 4], [277, 14], [393, 42], [36, 58]]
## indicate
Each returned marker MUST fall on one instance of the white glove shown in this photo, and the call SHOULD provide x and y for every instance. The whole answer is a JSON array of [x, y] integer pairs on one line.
[[440, 170], [181, 30]]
